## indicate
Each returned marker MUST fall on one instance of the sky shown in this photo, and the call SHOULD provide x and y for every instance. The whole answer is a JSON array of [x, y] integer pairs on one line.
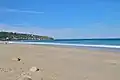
[[62, 18]]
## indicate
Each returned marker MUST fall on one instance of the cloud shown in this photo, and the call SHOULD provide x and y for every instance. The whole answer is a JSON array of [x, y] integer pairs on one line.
[[21, 11]]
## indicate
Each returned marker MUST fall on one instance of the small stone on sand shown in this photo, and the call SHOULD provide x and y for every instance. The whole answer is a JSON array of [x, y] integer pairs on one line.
[[16, 59], [34, 69]]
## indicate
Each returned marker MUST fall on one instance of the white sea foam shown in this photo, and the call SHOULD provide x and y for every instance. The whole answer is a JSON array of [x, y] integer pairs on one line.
[[65, 44]]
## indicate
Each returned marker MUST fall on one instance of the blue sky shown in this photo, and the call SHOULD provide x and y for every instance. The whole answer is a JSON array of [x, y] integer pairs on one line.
[[62, 18]]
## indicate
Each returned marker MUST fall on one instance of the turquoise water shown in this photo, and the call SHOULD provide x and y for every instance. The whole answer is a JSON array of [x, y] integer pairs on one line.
[[87, 41], [105, 43]]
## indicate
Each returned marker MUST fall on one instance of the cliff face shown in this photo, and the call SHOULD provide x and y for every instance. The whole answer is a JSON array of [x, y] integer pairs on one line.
[[18, 36]]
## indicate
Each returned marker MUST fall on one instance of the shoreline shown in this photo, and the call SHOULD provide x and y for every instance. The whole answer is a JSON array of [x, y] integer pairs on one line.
[[114, 47], [67, 44], [89, 47], [93, 49]]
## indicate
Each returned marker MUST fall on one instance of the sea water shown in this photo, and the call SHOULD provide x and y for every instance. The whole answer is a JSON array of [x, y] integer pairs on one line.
[[100, 43]]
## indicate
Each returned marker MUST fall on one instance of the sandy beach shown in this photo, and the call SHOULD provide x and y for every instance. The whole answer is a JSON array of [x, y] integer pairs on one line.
[[57, 63]]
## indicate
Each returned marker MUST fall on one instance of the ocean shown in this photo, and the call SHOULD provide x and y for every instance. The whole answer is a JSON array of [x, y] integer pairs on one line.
[[95, 43]]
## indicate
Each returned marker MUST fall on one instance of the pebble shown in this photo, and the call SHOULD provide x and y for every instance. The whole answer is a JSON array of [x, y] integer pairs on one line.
[[34, 69], [16, 59]]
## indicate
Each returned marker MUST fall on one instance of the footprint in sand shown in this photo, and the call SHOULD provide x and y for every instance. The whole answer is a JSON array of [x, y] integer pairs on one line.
[[24, 76], [85, 77], [6, 70], [25, 73], [111, 62]]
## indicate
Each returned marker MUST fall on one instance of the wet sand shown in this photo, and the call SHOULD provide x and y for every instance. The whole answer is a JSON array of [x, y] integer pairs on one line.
[[57, 63]]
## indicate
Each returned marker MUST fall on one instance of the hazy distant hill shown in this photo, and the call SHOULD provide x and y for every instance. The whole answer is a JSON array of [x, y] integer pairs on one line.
[[19, 36]]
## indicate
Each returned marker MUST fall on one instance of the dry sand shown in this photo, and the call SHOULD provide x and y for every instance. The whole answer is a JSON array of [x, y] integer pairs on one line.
[[57, 63]]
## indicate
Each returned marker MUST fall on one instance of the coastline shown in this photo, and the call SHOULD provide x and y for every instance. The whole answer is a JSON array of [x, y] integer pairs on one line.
[[59, 63], [108, 48], [68, 44]]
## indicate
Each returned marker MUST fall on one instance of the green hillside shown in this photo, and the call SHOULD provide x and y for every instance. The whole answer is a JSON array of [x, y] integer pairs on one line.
[[19, 36]]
